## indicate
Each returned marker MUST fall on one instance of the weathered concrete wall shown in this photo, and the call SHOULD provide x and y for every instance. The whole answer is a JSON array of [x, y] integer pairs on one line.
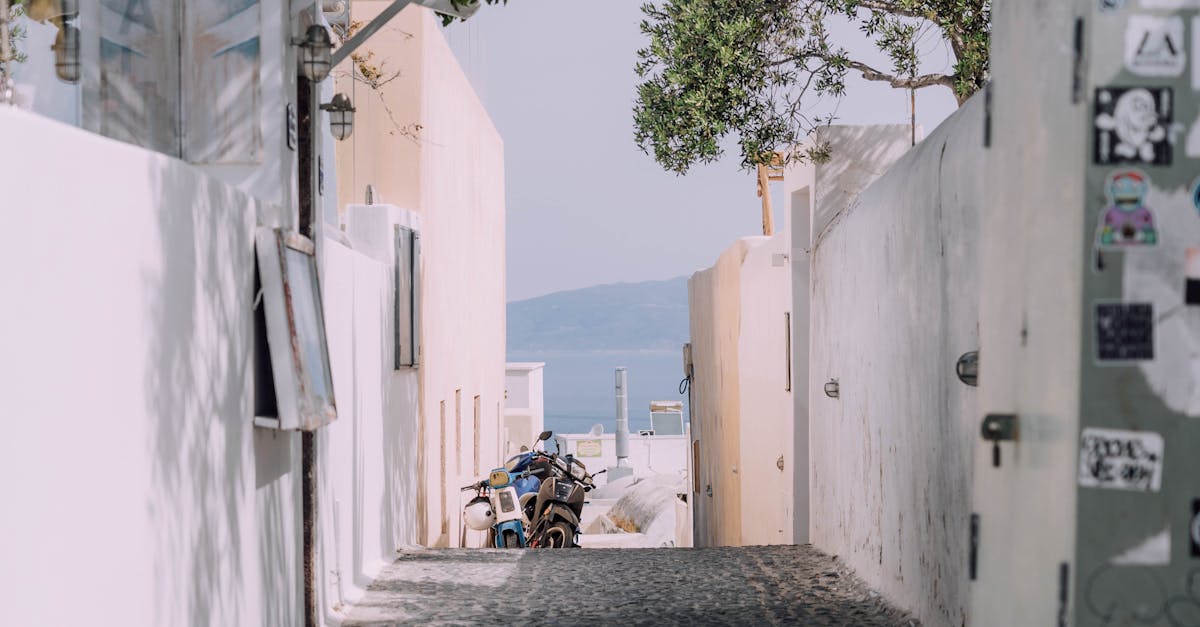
[[741, 405], [1031, 313], [894, 302]]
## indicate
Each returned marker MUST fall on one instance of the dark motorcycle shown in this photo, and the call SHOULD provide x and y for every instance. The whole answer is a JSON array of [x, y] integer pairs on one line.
[[559, 504]]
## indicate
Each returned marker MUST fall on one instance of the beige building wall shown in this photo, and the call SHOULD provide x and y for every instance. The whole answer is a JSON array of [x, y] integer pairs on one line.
[[424, 140], [741, 405]]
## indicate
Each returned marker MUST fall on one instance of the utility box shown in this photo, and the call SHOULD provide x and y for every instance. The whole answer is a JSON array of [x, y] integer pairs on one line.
[[1087, 472], [666, 417]]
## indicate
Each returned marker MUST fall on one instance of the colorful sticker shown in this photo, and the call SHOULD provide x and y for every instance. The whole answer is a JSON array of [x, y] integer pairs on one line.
[[1121, 460], [1191, 274], [1124, 332], [1127, 221], [1131, 125], [1154, 46]]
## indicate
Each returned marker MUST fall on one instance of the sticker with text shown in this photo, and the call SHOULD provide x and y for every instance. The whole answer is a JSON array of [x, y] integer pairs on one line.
[[1154, 46], [1121, 460], [1126, 220], [1124, 332], [1130, 125]]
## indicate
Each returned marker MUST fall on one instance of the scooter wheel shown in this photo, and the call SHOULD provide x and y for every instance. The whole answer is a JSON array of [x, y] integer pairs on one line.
[[560, 535]]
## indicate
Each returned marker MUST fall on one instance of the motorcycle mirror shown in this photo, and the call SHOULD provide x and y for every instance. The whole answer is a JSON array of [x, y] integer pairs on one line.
[[545, 435]]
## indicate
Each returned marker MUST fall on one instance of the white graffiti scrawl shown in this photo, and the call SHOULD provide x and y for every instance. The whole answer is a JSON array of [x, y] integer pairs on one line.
[[1131, 125]]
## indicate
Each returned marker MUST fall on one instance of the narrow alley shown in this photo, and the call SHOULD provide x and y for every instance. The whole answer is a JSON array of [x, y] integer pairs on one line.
[[776, 585]]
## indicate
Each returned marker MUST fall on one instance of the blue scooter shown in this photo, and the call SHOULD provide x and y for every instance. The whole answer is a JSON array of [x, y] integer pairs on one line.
[[503, 498]]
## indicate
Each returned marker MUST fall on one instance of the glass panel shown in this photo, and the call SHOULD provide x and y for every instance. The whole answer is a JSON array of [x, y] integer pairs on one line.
[[222, 98], [310, 331], [139, 73]]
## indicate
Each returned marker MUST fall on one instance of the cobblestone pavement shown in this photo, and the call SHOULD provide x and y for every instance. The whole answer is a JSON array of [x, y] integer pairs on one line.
[[779, 585]]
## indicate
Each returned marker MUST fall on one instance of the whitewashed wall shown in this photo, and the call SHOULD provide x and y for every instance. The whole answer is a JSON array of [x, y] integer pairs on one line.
[[130, 470], [368, 457], [452, 174], [741, 402], [894, 303]]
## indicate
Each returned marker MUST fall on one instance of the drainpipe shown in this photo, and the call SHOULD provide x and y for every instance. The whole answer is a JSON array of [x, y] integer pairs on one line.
[[307, 203]]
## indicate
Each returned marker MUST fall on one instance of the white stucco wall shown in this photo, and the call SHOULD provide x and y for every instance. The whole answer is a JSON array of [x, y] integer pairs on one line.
[[524, 405], [894, 303], [130, 461], [452, 175], [741, 403], [367, 461]]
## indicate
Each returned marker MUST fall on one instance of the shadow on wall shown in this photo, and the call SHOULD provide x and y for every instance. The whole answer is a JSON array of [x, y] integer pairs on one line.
[[199, 398], [874, 150]]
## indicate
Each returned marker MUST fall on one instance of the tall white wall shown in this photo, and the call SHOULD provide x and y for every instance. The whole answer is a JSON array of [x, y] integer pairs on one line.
[[425, 141], [367, 460], [894, 303], [741, 404], [130, 461]]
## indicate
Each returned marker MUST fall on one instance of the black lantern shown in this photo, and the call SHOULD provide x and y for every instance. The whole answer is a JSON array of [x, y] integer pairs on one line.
[[341, 116], [316, 53], [66, 54]]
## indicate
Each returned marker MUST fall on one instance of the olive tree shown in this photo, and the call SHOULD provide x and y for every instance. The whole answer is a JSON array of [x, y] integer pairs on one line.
[[751, 69]]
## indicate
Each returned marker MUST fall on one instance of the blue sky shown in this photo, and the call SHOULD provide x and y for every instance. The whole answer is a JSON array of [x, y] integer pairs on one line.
[[585, 206]]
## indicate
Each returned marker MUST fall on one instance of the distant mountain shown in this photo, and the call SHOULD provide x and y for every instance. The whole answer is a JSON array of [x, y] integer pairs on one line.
[[652, 315]]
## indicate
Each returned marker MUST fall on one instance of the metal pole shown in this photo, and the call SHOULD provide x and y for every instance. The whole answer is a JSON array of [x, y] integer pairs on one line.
[[6, 81], [622, 417]]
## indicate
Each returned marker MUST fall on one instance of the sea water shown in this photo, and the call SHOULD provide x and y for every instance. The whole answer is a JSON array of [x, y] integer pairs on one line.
[[580, 388]]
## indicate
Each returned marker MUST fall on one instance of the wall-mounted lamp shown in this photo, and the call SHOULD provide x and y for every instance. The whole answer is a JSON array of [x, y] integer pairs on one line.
[[341, 116], [967, 368], [66, 54], [832, 389], [316, 53]]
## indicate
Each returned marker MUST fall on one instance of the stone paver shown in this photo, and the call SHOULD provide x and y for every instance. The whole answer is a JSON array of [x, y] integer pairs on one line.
[[779, 585]]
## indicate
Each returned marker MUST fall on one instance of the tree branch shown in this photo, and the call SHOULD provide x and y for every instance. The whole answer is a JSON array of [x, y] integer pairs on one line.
[[915, 82]]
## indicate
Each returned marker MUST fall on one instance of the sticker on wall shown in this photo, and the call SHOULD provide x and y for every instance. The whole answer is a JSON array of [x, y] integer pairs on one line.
[[1110, 6], [1191, 274], [1131, 125], [1121, 460], [588, 448], [1126, 221], [1152, 551], [1154, 46], [1194, 528], [1124, 332]]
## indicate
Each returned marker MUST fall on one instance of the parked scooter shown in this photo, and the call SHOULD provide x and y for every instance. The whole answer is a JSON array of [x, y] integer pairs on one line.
[[504, 497], [559, 504]]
